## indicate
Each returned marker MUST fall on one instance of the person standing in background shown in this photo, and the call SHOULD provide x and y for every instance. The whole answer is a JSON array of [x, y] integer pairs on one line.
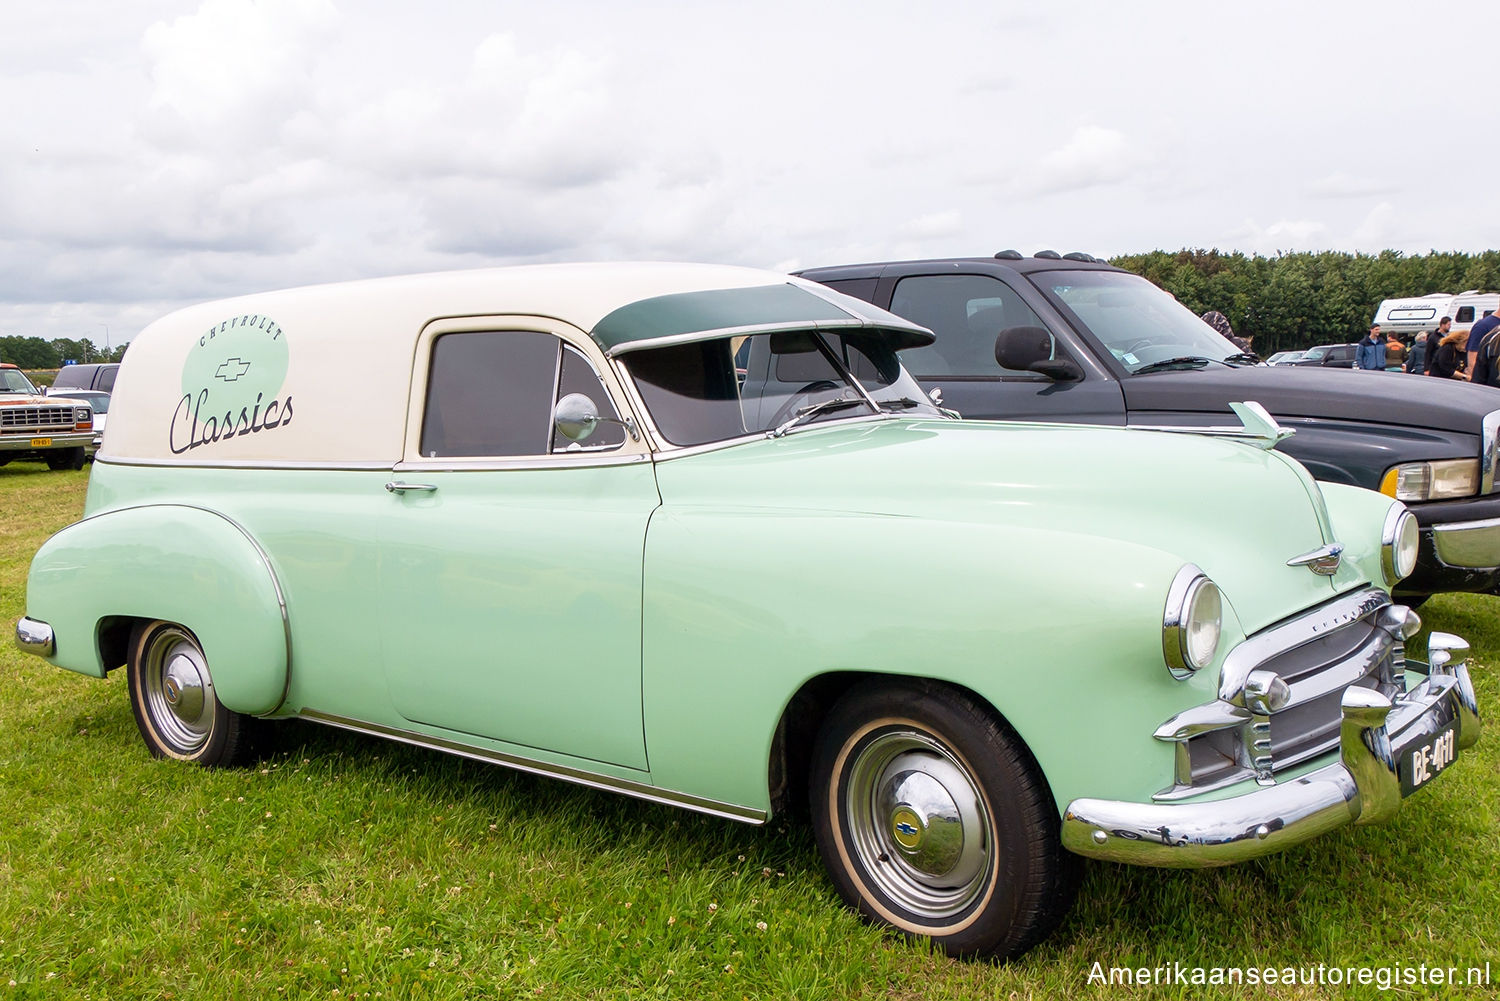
[[1448, 356], [1416, 359], [1444, 325], [1477, 333], [1395, 353], [1370, 355]]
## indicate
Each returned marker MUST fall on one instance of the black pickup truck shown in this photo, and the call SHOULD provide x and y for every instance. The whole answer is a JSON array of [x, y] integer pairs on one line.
[[1070, 338]]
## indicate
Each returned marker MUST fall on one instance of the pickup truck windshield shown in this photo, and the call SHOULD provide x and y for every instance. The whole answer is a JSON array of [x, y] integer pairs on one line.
[[1136, 322], [729, 387], [12, 381]]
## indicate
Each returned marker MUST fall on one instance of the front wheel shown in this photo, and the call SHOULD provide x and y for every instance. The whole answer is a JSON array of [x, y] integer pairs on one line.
[[66, 458], [933, 819], [176, 709]]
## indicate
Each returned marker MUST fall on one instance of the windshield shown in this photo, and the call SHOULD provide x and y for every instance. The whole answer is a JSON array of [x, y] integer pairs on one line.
[[1138, 323], [728, 387], [12, 381]]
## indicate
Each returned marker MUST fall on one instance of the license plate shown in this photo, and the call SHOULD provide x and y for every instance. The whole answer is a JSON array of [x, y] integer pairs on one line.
[[41, 442], [1422, 762]]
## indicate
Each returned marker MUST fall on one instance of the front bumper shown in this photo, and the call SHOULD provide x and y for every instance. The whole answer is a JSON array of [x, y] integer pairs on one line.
[[57, 440], [1459, 547], [35, 637], [1362, 787]]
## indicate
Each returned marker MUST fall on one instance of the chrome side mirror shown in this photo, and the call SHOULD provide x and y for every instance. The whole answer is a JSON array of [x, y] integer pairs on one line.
[[575, 417]]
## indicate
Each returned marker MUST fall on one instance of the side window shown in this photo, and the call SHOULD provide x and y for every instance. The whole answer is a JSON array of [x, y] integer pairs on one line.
[[107, 379], [1465, 315], [966, 312], [578, 376], [491, 393], [860, 288]]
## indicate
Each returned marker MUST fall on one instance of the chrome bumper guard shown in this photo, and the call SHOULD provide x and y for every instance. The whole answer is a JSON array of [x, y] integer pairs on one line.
[[35, 637], [1470, 545], [1362, 787]]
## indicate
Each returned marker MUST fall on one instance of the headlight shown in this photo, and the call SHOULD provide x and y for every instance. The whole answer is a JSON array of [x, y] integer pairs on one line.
[[1398, 544], [1191, 624], [1422, 481]]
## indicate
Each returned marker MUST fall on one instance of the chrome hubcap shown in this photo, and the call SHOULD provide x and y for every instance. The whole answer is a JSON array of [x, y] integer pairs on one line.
[[918, 823], [179, 694]]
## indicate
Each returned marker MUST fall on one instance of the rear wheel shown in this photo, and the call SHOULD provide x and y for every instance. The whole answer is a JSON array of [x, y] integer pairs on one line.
[[176, 708], [933, 819]]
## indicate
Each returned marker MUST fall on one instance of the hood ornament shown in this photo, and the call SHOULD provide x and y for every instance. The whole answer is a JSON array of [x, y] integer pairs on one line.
[[1257, 427], [1323, 561]]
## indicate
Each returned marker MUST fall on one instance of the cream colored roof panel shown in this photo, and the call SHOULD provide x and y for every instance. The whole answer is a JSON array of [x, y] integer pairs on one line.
[[322, 374]]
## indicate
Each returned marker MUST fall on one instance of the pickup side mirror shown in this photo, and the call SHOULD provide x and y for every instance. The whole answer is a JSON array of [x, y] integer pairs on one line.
[[1030, 349]]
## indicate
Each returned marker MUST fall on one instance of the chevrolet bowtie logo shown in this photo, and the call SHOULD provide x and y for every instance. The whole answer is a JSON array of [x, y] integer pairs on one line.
[[232, 369]]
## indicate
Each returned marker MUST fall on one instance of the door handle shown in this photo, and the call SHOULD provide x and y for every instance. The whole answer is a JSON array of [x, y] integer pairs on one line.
[[397, 487]]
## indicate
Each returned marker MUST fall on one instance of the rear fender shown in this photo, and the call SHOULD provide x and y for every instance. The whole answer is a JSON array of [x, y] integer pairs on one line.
[[182, 564]]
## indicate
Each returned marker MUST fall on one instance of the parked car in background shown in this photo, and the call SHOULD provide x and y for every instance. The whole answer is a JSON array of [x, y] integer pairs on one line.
[[61, 434], [99, 377], [1284, 357], [98, 402], [1328, 356], [1073, 339], [537, 517]]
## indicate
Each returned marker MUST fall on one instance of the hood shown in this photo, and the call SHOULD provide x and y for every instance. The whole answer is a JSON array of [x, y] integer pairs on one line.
[[1185, 495], [1343, 394], [27, 400]]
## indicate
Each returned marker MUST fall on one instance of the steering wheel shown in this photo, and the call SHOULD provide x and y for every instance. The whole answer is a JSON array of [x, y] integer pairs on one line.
[[799, 399]]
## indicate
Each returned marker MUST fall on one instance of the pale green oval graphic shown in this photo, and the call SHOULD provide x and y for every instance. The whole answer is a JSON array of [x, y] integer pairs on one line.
[[238, 361]]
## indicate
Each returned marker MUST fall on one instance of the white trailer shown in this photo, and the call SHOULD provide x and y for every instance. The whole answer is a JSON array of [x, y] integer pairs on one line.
[[1407, 317]]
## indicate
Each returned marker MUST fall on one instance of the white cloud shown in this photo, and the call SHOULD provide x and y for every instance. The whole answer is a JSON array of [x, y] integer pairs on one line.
[[1345, 185], [1092, 156]]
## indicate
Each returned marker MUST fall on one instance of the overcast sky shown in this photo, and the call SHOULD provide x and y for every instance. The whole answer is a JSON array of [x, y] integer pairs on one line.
[[163, 152]]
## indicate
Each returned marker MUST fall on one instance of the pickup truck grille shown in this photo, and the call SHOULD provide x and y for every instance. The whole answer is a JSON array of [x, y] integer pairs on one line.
[[1352, 641], [15, 420]]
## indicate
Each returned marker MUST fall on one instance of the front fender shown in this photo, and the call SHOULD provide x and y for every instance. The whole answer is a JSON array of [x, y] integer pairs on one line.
[[1060, 632], [183, 564], [1358, 517]]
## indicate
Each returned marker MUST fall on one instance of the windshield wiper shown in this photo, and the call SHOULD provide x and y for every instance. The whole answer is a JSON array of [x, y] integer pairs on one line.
[[809, 412], [903, 403], [1243, 357], [1173, 362]]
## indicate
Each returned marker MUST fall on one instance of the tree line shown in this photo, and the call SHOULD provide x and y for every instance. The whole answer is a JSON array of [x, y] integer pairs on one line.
[[34, 353], [1293, 301]]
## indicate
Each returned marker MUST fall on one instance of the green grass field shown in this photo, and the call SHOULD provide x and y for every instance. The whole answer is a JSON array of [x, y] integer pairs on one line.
[[343, 866]]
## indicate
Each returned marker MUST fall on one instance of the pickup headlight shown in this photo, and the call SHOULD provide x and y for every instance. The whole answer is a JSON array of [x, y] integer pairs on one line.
[[1398, 544], [1423, 481], [1191, 623]]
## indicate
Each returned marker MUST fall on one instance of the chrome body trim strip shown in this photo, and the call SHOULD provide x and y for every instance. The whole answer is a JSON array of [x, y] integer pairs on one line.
[[594, 780], [1472, 545], [1362, 787], [385, 466], [1257, 427], [35, 637]]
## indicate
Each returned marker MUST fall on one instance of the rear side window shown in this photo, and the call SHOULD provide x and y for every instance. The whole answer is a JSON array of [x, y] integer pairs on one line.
[[966, 312], [107, 380], [492, 393]]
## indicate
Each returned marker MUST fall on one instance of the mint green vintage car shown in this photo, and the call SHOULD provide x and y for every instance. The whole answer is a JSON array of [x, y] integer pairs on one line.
[[692, 534]]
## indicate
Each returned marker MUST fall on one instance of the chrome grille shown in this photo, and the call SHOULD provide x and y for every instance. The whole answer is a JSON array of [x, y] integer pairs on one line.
[[16, 419], [1351, 641]]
